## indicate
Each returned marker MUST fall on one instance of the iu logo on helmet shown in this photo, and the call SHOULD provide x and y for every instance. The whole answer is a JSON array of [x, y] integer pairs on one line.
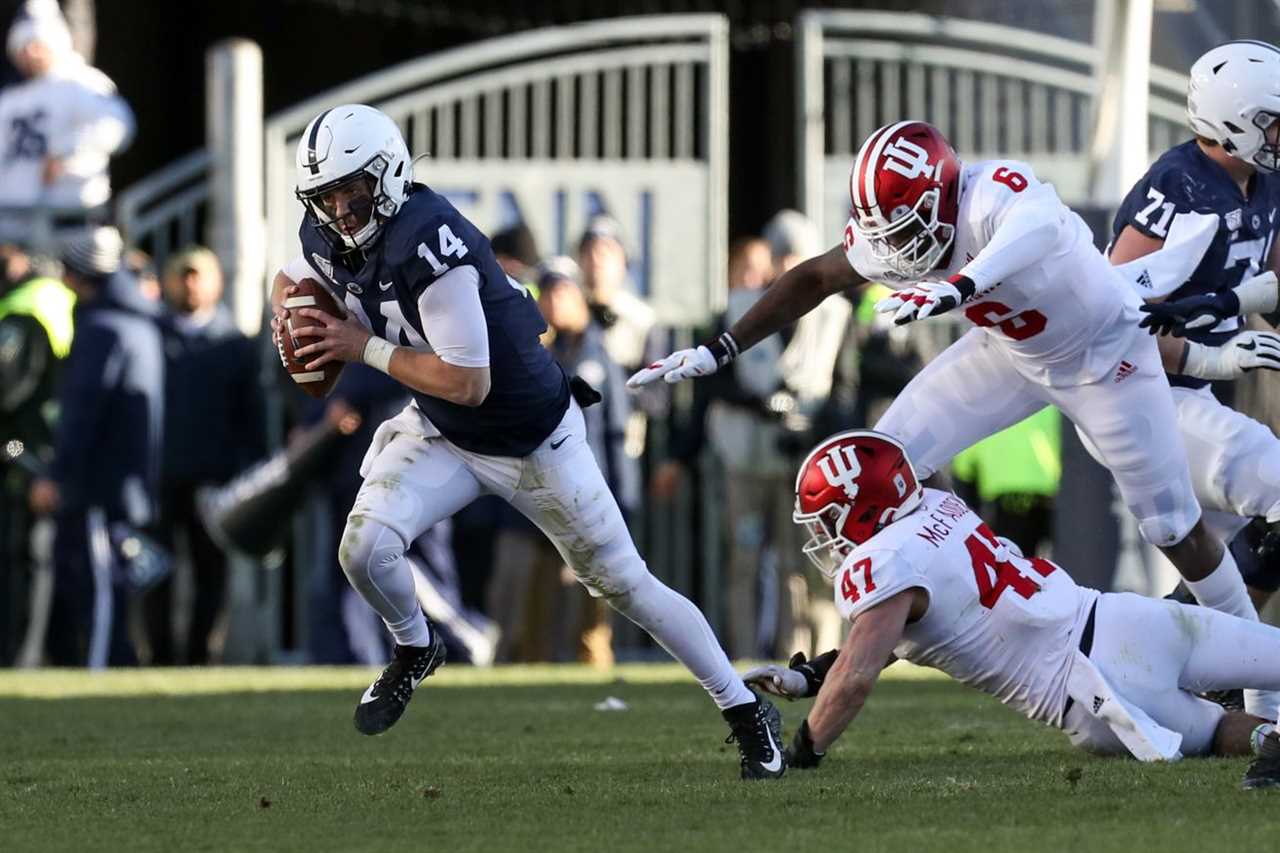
[[907, 159], [842, 469]]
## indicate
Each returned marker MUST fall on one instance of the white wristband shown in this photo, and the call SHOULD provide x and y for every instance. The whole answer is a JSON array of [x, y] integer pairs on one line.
[[1206, 362], [377, 353], [1259, 294]]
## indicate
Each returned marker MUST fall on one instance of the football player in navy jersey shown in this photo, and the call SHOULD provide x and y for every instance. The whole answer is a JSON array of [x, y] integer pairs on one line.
[[1228, 169], [427, 303]]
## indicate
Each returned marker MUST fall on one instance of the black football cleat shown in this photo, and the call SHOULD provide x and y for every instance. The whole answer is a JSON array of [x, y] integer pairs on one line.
[[385, 700], [757, 728], [1264, 771]]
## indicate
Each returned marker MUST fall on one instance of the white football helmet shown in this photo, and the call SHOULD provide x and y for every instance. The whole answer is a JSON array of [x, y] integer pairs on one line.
[[347, 143], [1234, 97]]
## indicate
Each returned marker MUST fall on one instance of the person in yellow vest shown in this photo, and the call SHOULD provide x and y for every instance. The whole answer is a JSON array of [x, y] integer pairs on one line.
[[1014, 476], [35, 334]]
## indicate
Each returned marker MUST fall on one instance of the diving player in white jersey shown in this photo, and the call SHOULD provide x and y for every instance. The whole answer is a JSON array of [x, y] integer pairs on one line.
[[1232, 169], [923, 579], [1055, 324], [492, 413]]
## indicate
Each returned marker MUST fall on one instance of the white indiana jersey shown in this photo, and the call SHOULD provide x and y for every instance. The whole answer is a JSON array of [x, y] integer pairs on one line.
[[1006, 625], [72, 113], [1067, 316]]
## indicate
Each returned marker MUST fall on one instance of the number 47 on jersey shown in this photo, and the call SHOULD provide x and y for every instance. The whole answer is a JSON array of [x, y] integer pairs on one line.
[[991, 575]]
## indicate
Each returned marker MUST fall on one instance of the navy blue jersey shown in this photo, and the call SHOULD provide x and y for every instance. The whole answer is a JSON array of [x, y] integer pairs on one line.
[[1184, 180], [528, 392]]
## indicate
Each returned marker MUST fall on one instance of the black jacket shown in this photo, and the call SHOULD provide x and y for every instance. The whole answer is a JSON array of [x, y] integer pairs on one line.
[[214, 420], [107, 442]]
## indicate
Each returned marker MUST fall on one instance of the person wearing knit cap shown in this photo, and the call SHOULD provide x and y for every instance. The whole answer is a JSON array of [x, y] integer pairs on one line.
[[64, 122], [102, 481]]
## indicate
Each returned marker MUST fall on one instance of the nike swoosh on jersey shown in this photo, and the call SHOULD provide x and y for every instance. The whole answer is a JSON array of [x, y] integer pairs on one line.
[[555, 445], [385, 285], [776, 764]]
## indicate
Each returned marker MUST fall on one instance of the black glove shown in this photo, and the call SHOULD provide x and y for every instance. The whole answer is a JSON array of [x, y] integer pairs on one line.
[[1194, 312], [814, 671], [583, 393], [801, 754]]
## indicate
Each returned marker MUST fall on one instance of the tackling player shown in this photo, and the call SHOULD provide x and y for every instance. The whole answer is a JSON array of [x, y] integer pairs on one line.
[[492, 413], [923, 579], [1229, 169], [1054, 324]]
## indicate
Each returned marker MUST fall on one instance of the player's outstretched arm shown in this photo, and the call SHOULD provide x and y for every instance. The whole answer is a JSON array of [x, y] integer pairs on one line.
[[792, 295], [845, 689]]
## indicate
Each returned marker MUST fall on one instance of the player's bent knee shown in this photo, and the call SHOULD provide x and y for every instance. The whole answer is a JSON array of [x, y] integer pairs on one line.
[[367, 548], [1169, 528]]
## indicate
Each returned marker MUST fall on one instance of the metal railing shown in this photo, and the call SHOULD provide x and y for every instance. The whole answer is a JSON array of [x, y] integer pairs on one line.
[[996, 91], [168, 209]]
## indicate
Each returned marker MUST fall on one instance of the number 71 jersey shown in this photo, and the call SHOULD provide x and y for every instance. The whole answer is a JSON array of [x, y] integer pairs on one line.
[[1066, 317], [996, 621]]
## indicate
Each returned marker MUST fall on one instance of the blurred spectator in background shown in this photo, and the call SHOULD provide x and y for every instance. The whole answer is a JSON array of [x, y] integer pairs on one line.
[[140, 265], [516, 251], [625, 318], [35, 335], [738, 413], [1013, 477], [61, 126], [543, 611], [106, 455], [808, 620], [214, 427]]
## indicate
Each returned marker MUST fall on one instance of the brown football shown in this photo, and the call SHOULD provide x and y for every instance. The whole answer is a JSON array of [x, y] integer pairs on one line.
[[310, 294]]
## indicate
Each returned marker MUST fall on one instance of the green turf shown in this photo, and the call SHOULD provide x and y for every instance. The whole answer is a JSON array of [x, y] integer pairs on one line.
[[517, 759]]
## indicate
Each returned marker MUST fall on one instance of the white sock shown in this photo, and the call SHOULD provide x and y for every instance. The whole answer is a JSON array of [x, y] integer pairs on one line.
[[1224, 590], [682, 630]]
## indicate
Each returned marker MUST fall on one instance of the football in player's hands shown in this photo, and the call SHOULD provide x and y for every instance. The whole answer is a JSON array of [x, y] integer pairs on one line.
[[307, 293]]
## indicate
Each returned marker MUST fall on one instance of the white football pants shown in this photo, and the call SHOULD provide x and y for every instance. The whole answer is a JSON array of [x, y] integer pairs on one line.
[[413, 479], [972, 390], [1158, 653]]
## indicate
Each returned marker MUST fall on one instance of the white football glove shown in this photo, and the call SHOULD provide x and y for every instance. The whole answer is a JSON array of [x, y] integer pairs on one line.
[[925, 299], [778, 680], [1245, 352], [678, 366]]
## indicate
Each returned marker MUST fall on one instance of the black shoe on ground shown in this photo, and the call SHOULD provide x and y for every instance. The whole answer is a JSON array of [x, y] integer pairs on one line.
[[385, 700], [757, 728], [1264, 772]]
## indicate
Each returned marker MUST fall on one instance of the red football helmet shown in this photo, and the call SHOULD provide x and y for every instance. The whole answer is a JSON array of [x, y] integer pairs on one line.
[[849, 487], [905, 190]]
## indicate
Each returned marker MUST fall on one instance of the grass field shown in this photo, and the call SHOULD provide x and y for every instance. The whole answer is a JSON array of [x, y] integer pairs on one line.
[[517, 759]]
